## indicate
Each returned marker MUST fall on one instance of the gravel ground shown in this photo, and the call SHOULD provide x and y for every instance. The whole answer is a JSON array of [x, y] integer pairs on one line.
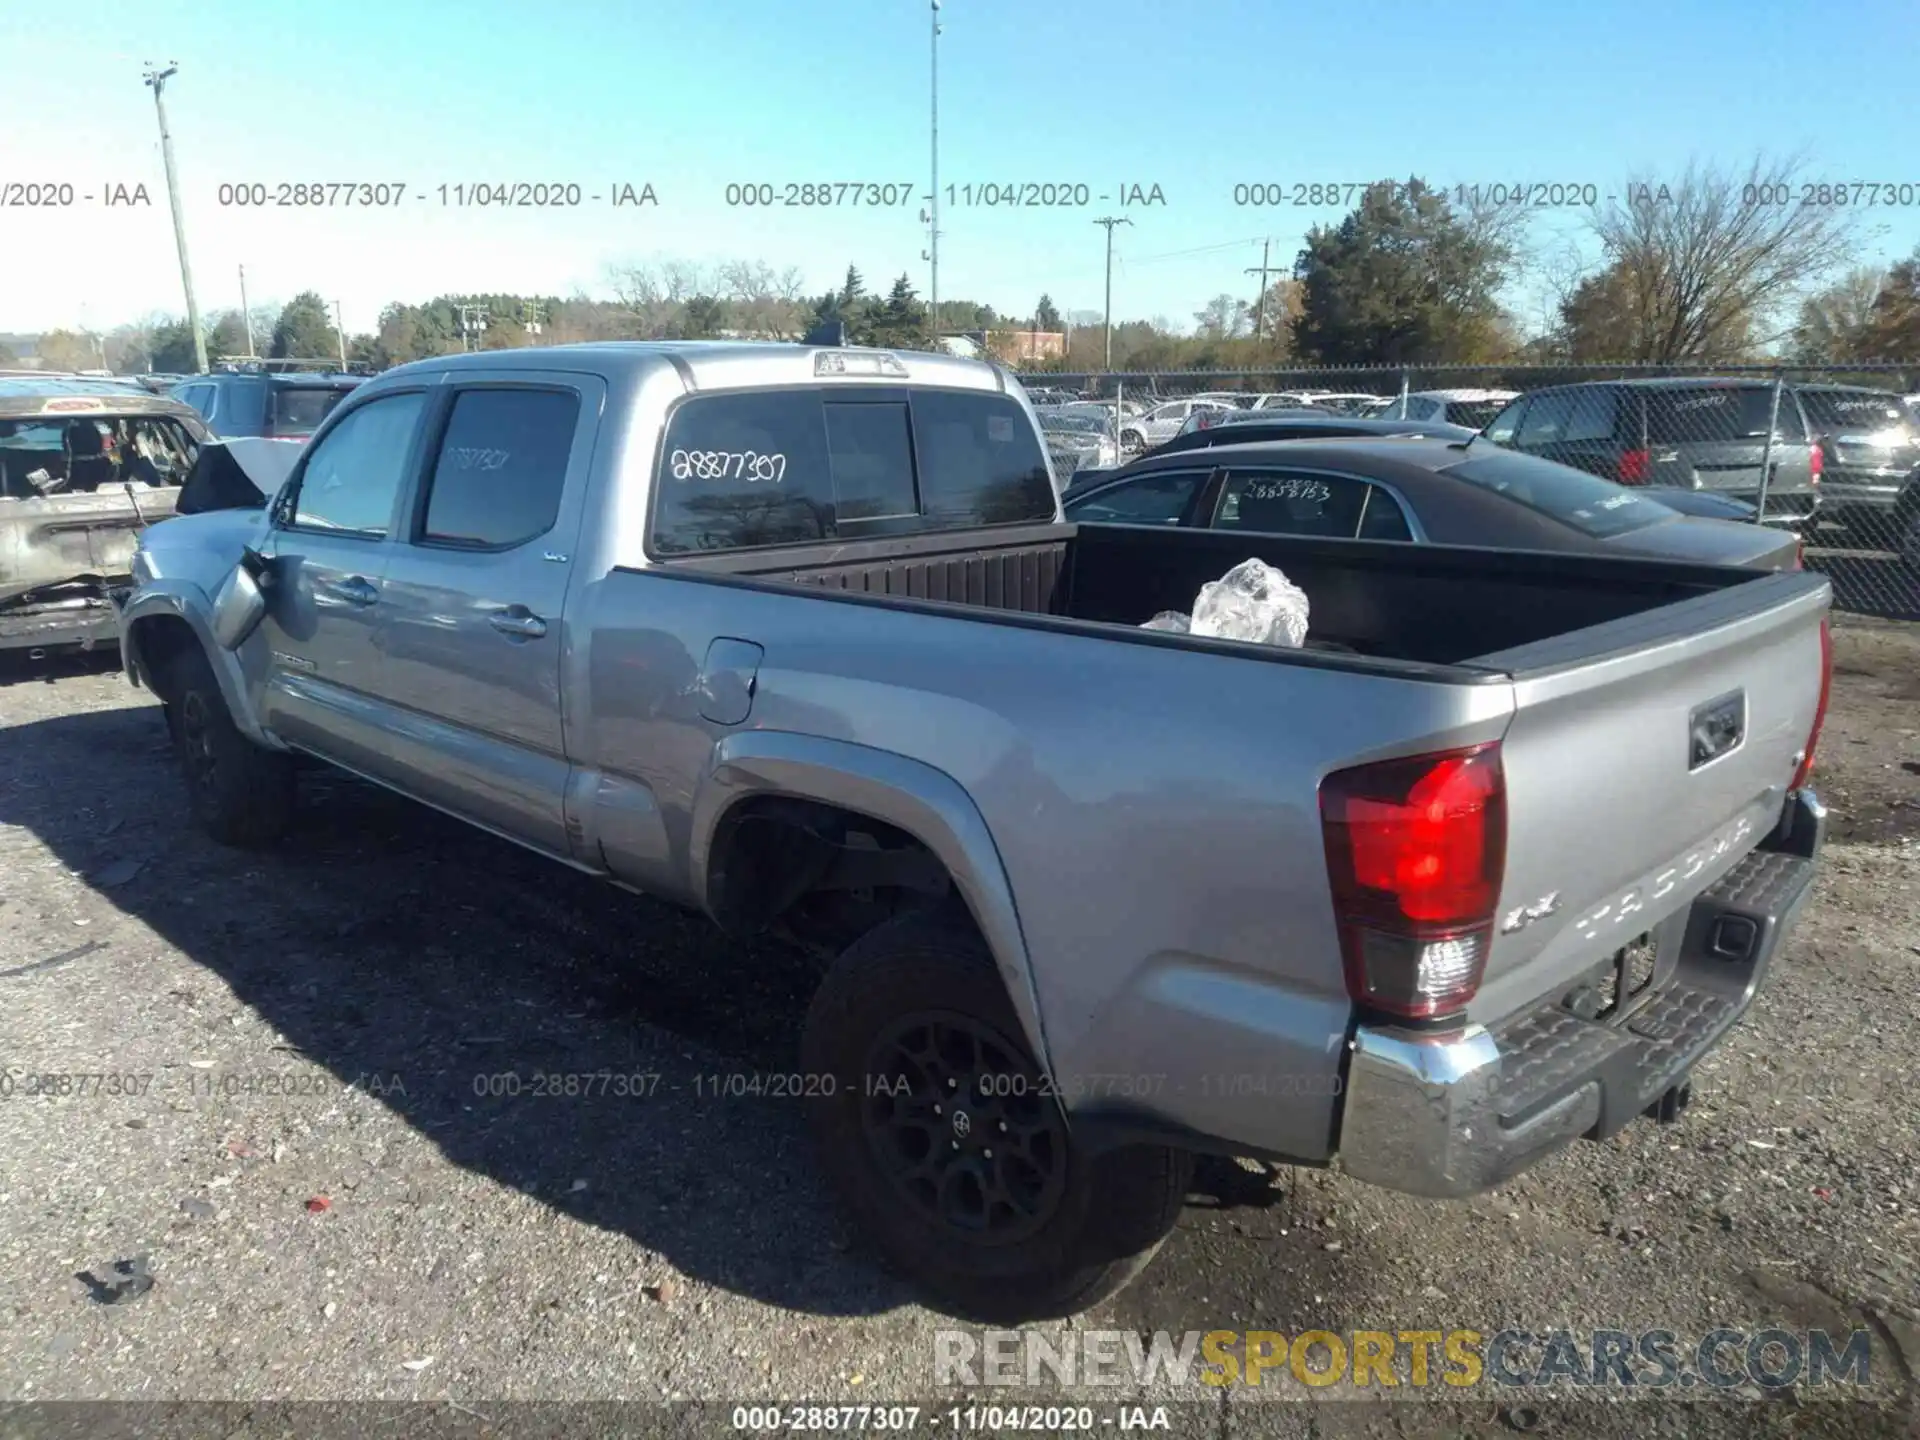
[[327, 1209]]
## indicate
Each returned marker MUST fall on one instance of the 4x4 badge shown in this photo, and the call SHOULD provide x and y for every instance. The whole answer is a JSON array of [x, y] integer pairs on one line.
[[1522, 916]]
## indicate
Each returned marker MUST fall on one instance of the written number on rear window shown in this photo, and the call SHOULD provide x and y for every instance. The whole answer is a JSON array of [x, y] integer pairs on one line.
[[1287, 490], [749, 465]]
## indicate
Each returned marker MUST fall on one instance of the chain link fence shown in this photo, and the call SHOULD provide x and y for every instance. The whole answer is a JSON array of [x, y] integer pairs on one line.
[[1832, 454]]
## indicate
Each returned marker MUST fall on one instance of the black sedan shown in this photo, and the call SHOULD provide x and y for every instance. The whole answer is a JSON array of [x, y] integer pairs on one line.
[[1417, 490], [1248, 427]]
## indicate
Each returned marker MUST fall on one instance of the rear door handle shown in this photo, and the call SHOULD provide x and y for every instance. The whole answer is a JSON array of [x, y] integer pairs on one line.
[[354, 590], [519, 622]]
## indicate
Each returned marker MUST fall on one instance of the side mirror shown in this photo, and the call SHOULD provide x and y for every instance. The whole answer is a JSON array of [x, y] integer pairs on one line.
[[240, 603]]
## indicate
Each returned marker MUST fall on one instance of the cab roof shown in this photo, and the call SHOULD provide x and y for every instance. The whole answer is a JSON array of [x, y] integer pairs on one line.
[[727, 364]]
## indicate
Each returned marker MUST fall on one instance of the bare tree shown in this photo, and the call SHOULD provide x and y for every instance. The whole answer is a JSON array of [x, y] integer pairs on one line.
[[1701, 267], [1224, 318]]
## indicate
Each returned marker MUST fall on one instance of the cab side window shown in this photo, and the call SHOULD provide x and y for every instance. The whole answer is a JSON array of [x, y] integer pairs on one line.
[[502, 464], [352, 477]]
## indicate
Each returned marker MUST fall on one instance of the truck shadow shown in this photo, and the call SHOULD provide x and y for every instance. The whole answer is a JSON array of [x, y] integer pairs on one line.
[[20, 667], [442, 970]]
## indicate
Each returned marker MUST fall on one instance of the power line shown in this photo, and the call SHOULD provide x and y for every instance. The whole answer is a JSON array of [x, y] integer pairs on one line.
[[1199, 250]]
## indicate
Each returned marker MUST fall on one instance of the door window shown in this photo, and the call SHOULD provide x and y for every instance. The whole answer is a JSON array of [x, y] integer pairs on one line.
[[1285, 502], [1160, 499], [502, 465], [1546, 420], [352, 476]]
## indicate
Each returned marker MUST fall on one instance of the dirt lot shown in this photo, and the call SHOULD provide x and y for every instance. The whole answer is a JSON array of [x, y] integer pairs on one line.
[[329, 1210]]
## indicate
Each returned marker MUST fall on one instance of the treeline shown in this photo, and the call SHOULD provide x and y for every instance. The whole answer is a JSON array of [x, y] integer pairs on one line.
[[1705, 266]]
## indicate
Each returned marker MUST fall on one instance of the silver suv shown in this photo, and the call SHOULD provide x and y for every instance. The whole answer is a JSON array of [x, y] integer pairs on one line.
[[1696, 433]]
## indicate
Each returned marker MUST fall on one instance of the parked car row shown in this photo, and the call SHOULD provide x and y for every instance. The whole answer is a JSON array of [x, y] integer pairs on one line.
[[1830, 453]]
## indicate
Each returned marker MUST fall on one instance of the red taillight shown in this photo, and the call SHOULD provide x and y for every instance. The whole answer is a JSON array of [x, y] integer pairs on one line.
[[1819, 462], [1416, 849], [1633, 467], [1805, 768]]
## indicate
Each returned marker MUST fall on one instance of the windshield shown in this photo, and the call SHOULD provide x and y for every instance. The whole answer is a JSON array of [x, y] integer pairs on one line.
[[302, 408], [1857, 412], [1595, 507]]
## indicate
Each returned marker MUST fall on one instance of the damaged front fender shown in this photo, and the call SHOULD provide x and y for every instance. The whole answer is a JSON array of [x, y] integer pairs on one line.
[[168, 612]]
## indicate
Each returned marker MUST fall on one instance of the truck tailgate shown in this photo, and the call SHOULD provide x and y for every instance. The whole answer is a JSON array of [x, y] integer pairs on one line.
[[1645, 757]]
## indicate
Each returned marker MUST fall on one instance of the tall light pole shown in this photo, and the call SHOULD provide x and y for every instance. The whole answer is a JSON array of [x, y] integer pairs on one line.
[[1110, 221], [340, 334], [933, 246], [157, 79], [246, 315]]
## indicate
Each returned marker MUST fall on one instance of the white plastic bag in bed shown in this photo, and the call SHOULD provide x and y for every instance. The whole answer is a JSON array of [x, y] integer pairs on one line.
[[1171, 620], [1253, 601]]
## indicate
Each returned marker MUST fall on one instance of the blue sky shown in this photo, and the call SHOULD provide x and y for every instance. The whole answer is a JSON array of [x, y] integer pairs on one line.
[[692, 96]]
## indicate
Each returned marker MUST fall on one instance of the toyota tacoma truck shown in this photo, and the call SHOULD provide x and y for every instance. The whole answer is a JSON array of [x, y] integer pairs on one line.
[[795, 636]]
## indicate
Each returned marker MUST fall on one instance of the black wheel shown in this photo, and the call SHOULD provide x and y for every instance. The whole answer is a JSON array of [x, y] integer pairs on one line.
[[240, 793], [943, 1138]]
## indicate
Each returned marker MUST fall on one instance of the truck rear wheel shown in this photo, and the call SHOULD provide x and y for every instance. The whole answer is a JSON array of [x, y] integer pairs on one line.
[[239, 793], [946, 1142]]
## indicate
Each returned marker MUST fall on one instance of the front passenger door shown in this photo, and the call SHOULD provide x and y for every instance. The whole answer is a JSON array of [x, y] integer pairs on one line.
[[329, 543]]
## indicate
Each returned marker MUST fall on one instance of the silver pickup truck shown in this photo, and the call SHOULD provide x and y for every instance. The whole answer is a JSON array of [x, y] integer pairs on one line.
[[795, 637]]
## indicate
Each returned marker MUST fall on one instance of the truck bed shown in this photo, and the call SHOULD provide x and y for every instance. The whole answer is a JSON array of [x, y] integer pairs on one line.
[[1417, 606]]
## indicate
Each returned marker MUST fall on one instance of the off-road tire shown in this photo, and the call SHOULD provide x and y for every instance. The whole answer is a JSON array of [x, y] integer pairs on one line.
[[239, 793], [1110, 1210]]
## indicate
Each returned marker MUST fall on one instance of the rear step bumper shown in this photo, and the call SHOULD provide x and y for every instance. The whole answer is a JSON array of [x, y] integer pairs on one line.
[[1459, 1112]]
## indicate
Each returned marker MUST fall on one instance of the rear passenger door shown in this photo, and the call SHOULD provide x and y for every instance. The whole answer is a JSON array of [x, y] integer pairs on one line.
[[474, 612], [1280, 501]]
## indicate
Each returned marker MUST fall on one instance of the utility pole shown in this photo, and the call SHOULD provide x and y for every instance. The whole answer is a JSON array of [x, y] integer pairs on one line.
[[536, 320], [1110, 221], [933, 238], [1260, 301], [473, 322], [157, 79], [340, 334], [246, 315]]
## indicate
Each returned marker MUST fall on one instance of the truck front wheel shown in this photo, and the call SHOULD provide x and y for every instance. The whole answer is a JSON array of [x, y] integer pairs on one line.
[[948, 1144], [240, 794]]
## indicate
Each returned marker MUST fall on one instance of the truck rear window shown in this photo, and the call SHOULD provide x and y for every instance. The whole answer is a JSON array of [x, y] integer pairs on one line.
[[1593, 506], [1856, 411], [1712, 413], [784, 467]]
